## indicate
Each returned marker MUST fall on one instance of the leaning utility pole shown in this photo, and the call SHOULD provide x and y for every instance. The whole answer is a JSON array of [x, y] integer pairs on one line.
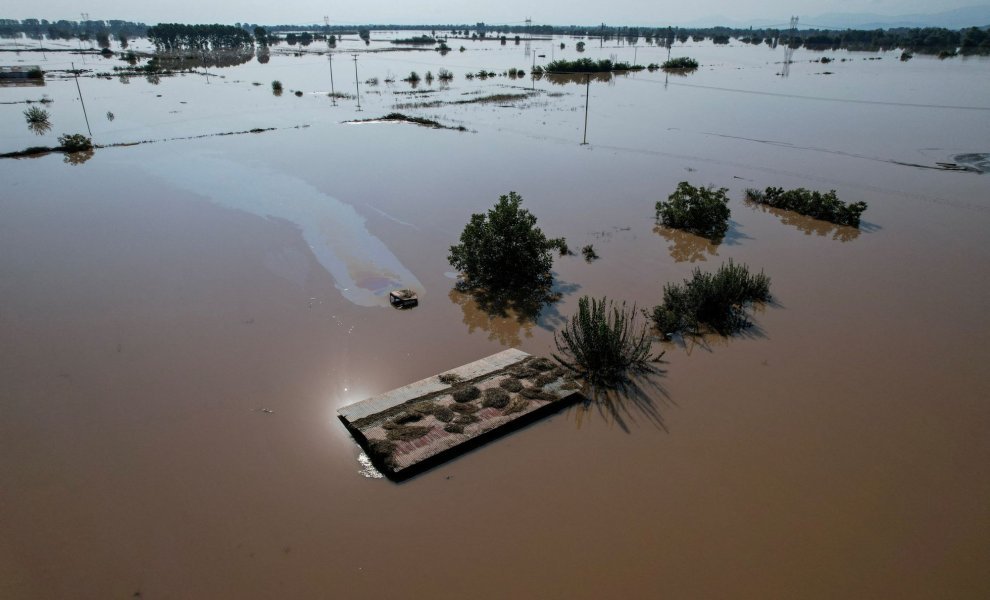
[[357, 85], [587, 96], [78, 89]]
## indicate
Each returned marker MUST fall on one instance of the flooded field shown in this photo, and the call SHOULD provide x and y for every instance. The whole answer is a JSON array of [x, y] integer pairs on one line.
[[180, 321]]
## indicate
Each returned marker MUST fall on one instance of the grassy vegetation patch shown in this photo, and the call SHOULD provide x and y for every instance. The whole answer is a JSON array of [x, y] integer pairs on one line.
[[601, 343], [715, 300], [465, 409], [454, 428], [817, 205]]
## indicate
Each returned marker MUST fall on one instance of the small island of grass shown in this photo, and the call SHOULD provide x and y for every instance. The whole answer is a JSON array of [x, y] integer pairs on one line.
[[681, 63], [587, 65]]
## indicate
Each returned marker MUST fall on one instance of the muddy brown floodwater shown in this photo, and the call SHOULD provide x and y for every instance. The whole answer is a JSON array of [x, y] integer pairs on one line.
[[180, 321]]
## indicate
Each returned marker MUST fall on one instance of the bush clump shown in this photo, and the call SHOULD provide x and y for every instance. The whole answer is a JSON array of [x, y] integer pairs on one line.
[[589, 253], [601, 344], [716, 300], [277, 87], [464, 409], [75, 142], [36, 115], [682, 63], [700, 210], [466, 393], [454, 428], [586, 65], [495, 398], [504, 253], [826, 207]]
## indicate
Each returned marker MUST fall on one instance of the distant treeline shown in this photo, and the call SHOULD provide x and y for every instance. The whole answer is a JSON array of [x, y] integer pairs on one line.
[[176, 36], [53, 30], [927, 39]]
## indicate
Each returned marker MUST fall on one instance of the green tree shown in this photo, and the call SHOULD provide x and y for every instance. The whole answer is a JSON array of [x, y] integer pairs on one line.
[[700, 210], [503, 253]]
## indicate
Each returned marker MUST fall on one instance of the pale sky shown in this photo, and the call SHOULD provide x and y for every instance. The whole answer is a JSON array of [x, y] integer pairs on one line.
[[557, 12]]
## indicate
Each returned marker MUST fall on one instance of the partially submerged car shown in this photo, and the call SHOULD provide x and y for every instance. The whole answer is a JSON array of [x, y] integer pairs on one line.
[[403, 298]]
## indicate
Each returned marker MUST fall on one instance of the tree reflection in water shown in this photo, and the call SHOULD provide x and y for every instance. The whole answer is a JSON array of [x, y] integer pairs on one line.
[[686, 246], [506, 318], [808, 225]]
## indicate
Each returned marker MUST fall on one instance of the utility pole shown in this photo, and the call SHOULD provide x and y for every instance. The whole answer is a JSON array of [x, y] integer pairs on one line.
[[78, 89], [357, 85], [587, 96], [333, 92]]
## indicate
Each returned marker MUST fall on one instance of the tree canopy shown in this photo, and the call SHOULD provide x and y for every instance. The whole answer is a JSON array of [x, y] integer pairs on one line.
[[503, 253]]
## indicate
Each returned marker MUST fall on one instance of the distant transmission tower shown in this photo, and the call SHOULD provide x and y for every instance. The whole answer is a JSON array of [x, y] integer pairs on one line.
[[789, 49], [529, 34]]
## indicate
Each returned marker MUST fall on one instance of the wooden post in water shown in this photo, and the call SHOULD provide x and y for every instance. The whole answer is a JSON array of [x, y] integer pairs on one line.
[[587, 95], [78, 89]]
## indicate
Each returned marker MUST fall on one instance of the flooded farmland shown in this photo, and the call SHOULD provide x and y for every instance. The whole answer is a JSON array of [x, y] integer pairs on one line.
[[181, 319]]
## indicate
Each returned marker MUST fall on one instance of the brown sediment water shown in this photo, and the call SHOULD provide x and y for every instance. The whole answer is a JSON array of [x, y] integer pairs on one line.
[[180, 322]]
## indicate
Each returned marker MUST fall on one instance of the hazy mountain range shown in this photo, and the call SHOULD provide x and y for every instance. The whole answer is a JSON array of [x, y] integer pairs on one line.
[[972, 16]]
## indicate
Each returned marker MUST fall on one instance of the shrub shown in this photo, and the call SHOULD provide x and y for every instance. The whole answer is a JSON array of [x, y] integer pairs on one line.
[[75, 142], [298, 94], [503, 252], [681, 62], [700, 210], [429, 77], [464, 409], [277, 87], [826, 207], [601, 344], [589, 253], [444, 75], [413, 77], [453, 428], [585, 65], [716, 300], [36, 116], [495, 398]]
